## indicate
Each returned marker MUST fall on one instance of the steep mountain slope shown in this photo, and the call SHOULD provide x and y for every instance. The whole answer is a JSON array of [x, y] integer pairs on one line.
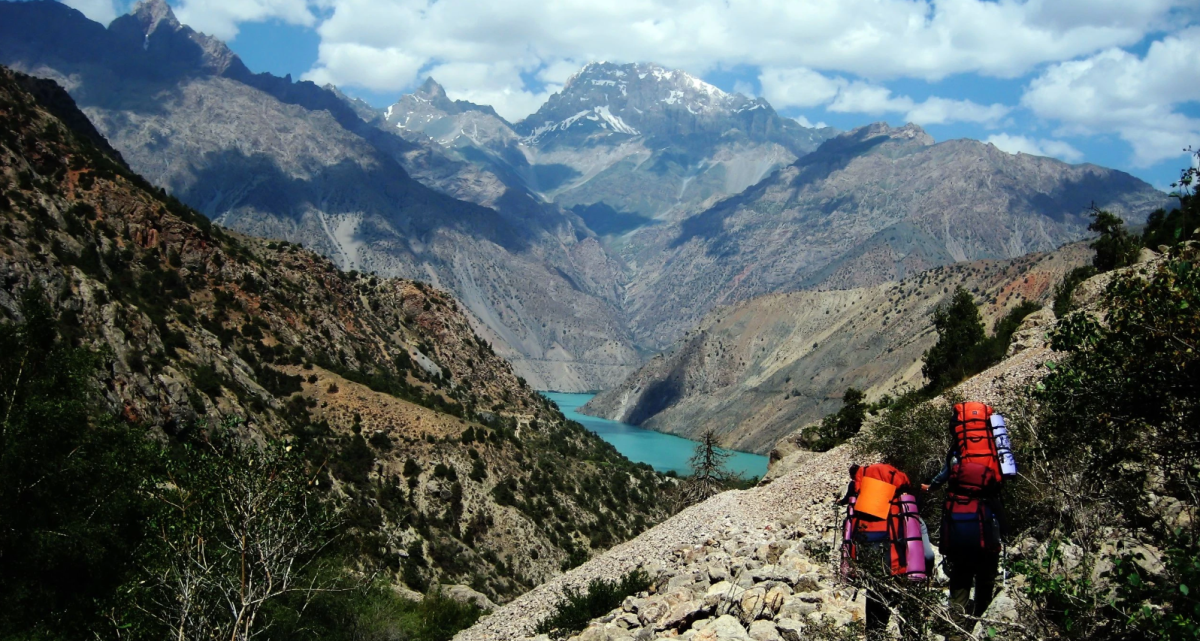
[[757, 370], [294, 161], [453, 469], [873, 205]]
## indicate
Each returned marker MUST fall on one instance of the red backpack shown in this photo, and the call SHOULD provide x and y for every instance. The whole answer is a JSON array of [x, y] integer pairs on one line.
[[967, 522], [973, 438]]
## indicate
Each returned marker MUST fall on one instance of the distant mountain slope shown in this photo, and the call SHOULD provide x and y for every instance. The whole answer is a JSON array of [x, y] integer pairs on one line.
[[873, 205], [760, 369], [453, 469], [628, 143], [297, 162]]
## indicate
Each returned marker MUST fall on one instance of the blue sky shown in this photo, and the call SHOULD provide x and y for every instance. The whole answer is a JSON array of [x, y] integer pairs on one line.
[[1112, 82]]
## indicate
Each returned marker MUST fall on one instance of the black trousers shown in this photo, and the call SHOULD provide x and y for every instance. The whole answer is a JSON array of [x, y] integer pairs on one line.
[[976, 570], [878, 615]]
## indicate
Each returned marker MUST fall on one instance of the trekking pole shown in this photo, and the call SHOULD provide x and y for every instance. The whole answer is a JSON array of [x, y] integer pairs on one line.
[[1004, 562]]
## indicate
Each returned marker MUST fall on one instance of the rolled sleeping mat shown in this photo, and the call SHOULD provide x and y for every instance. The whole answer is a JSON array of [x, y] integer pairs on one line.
[[1008, 462], [914, 542]]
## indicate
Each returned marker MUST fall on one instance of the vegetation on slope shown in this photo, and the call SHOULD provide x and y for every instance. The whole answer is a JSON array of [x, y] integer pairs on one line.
[[1104, 513], [406, 424]]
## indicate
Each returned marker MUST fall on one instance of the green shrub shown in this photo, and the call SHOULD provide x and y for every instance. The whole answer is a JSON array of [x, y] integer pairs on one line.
[[836, 428], [573, 612], [1064, 290]]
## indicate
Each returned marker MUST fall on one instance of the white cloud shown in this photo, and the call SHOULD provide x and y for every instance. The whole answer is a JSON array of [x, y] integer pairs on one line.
[[222, 17], [872, 39], [1136, 98], [1039, 147], [861, 97], [378, 69], [808, 123], [102, 11], [808, 88], [798, 87], [935, 111]]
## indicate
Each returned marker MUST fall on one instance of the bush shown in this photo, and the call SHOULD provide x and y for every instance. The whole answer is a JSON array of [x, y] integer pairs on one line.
[[836, 428], [1115, 445], [1064, 290], [573, 612]]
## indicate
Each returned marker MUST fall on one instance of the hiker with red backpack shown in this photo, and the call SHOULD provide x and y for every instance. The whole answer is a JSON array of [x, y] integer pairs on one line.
[[882, 526], [973, 521]]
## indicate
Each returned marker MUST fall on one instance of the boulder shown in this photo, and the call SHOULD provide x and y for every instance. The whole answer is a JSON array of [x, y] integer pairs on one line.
[[464, 594], [790, 629], [725, 628], [753, 603], [775, 599], [764, 631]]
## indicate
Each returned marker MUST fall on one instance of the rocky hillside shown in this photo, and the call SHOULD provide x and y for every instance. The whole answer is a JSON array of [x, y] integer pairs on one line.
[[452, 468], [757, 370], [297, 162]]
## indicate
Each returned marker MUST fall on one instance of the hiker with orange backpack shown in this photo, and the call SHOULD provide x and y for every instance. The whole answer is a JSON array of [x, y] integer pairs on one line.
[[882, 525], [973, 521]]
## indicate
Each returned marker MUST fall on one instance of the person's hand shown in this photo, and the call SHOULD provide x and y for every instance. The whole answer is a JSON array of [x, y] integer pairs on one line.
[[924, 487]]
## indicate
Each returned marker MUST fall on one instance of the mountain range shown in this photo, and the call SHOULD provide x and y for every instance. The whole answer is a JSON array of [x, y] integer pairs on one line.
[[591, 234]]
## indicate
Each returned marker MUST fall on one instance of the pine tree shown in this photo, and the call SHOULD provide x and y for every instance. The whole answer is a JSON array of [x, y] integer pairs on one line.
[[709, 476], [959, 329]]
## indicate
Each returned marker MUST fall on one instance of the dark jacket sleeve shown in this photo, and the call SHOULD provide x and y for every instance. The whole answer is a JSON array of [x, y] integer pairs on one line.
[[846, 497], [944, 475]]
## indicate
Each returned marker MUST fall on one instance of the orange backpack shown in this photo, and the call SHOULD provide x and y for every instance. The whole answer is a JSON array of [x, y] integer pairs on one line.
[[879, 485]]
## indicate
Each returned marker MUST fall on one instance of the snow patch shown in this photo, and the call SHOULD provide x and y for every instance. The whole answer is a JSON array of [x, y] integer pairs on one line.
[[618, 125]]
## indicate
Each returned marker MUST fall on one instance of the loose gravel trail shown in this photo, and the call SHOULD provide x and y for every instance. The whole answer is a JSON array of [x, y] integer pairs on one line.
[[806, 494]]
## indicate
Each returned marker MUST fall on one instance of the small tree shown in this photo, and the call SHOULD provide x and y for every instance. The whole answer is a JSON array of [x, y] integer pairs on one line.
[[1115, 247], [836, 428], [239, 526], [959, 329], [709, 476]]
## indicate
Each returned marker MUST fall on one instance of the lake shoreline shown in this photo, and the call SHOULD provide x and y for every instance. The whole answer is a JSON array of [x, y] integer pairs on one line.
[[664, 452]]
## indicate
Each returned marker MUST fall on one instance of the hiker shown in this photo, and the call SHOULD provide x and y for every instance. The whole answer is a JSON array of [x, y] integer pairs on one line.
[[973, 520], [882, 530]]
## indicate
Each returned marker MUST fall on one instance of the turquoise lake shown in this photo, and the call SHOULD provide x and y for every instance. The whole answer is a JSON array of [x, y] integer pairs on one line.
[[663, 452]]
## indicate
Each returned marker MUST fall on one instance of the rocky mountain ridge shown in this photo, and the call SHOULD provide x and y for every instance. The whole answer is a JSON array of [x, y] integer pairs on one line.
[[579, 252], [757, 370], [452, 469], [682, 142], [873, 205]]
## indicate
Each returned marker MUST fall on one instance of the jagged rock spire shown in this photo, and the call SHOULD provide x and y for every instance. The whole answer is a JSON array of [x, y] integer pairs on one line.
[[150, 14]]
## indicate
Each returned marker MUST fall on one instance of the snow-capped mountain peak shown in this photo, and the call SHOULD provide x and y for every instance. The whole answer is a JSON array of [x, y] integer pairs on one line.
[[606, 100]]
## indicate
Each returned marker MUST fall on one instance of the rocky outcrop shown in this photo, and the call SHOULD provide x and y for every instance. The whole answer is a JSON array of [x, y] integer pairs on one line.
[[756, 371]]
